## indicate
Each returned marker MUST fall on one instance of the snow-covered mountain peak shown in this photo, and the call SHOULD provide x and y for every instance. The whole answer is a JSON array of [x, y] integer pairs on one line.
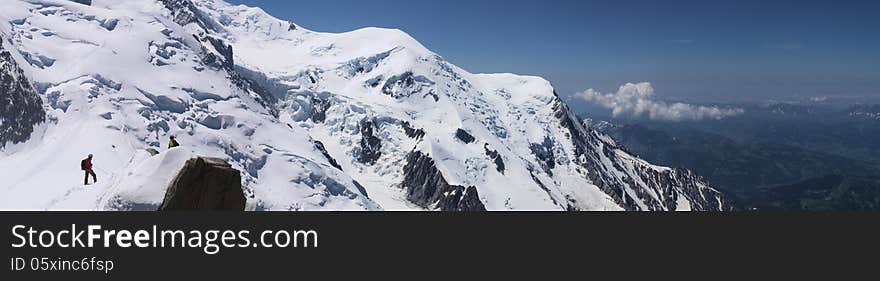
[[365, 119]]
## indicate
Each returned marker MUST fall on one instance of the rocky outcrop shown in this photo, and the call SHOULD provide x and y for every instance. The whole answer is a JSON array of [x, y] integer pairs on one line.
[[320, 147], [496, 157], [464, 136], [426, 187], [184, 12], [20, 107], [412, 132], [205, 184], [409, 84], [319, 109], [371, 146], [545, 155]]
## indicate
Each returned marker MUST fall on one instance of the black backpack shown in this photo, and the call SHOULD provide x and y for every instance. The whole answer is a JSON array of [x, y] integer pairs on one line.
[[82, 164]]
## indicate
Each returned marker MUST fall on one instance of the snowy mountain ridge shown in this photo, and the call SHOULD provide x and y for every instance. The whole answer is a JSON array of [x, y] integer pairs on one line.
[[364, 120]]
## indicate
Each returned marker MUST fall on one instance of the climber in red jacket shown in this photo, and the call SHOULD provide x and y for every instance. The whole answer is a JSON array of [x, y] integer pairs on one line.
[[86, 166]]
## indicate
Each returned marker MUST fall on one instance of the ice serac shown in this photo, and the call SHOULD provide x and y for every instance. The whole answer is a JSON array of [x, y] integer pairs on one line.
[[21, 109], [420, 133]]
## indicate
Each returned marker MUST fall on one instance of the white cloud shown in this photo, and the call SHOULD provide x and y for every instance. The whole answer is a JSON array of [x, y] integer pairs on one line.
[[638, 100]]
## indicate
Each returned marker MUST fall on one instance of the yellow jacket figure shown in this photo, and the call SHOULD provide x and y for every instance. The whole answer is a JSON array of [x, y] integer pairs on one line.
[[172, 143]]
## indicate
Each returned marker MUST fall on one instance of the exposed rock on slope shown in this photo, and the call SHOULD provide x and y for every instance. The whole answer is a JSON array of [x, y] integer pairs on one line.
[[426, 187], [20, 107], [205, 184]]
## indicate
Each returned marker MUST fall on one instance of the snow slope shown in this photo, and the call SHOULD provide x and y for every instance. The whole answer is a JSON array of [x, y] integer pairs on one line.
[[368, 119], [123, 78]]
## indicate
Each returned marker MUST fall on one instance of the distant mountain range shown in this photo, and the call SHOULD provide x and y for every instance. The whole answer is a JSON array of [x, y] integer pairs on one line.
[[778, 156]]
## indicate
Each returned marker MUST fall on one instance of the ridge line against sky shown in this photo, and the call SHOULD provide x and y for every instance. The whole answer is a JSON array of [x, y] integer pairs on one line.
[[693, 51]]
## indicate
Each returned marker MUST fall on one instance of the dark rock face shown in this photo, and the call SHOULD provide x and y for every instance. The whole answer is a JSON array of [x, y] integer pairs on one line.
[[464, 136], [184, 12], [426, 187], [412, 132], [408, 84], [20, 107], [320, 147], [319, 109], [360, 188], [224, 60], [205, 184], [371, 146], [495, 156], [84, 2], [544, 152]]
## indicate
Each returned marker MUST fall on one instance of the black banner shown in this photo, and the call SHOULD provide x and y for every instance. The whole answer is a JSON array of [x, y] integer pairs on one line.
[[372, 245]]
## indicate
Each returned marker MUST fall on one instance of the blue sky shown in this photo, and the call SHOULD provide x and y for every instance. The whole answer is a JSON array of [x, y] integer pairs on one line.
[[698, 51]]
